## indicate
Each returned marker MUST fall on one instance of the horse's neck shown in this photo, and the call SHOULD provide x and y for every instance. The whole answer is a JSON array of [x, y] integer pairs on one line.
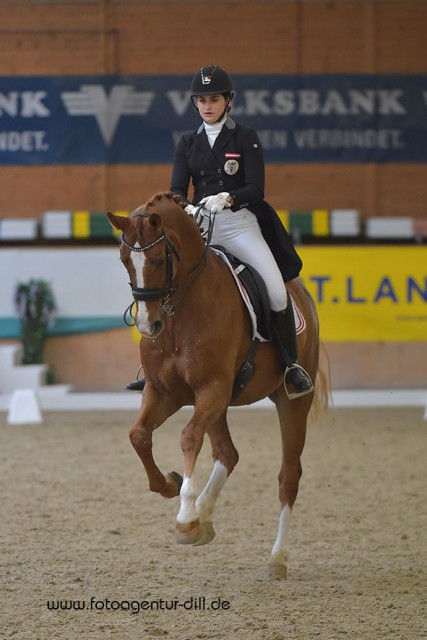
[[193, 253], [183, 233], [187, 236]]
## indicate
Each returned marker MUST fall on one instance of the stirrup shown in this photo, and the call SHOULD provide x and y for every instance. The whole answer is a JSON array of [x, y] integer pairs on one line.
[[301, 384]]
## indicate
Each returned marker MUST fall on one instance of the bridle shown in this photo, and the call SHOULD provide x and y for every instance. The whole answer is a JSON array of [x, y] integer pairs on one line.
[[165, 293]]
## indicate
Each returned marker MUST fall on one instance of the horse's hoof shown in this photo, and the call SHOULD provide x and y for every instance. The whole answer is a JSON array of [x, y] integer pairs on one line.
[[276, 572], [176, 479], [277, 568], [188, 533], [207, 534]]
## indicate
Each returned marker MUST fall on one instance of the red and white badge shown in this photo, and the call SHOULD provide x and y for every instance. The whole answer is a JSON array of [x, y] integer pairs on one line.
[[231, 166]]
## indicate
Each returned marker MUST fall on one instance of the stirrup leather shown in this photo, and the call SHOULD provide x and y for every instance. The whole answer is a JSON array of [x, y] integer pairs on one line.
[[298, 394]]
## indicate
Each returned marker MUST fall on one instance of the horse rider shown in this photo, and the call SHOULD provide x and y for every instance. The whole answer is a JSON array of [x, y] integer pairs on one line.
[[225, 163]]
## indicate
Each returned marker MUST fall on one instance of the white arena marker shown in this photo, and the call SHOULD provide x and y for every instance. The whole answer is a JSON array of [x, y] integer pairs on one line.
[[24, 408]]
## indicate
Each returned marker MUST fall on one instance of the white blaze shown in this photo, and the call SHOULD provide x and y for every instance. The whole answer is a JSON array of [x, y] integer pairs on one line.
[[141, 319]]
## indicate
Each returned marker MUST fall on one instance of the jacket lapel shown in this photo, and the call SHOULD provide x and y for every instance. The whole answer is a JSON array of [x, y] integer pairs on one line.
[[202, 143], [216, 153], [222, 141]]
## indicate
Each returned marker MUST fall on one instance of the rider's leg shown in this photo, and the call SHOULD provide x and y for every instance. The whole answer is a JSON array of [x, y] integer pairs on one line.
[[297, 380], [138, 384], [240, 234]]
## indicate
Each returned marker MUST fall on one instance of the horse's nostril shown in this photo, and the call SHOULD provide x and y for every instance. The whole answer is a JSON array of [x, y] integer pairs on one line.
[[156, 327]]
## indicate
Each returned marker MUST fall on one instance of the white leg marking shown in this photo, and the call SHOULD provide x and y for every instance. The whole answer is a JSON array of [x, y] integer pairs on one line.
[[281, 546], [188, 494], [141, 320], [205, 503]]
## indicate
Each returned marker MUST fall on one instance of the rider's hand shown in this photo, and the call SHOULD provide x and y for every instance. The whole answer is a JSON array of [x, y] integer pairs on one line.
[[217, 203], [191, 209]]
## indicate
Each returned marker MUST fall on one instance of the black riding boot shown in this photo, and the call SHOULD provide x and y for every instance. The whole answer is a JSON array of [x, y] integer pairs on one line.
[[297, 380], [136, 385]]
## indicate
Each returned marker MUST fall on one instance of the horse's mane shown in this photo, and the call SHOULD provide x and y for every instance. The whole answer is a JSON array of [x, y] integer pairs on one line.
[[158, 197], [161, 203]]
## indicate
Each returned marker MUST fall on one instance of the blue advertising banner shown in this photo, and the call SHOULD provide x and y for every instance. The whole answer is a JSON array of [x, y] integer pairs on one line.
[[47, 120]]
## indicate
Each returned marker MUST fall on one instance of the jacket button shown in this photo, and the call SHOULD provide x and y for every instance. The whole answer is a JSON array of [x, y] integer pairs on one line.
[[220, 183], [219, 170], [202, 173], [203, 184]]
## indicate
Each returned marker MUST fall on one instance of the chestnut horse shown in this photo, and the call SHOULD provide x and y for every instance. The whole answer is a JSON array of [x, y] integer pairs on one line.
[[195, 335]]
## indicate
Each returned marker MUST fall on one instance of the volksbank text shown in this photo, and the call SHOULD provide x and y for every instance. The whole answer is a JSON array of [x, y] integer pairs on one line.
[[194, 603]]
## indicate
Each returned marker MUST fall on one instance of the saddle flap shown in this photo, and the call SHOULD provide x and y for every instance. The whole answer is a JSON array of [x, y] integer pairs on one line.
[[255, 289]]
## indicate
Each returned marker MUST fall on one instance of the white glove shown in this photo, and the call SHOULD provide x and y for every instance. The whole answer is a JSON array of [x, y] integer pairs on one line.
[[191, 209], [217, 203]]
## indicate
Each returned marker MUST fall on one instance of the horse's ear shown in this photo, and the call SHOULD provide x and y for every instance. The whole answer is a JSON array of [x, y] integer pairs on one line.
[[155, 220], [118, 222]]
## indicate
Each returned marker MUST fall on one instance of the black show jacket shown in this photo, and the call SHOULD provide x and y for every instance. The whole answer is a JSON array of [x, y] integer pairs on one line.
[[234, 164]]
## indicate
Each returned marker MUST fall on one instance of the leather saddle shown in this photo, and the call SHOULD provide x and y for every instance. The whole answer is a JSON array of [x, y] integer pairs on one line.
[[256, 291]]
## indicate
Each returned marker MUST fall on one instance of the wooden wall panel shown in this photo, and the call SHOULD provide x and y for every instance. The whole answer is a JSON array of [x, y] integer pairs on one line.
[[263, 41], [300, 36], [51, 39], [391, 190], [333, 37], [400, 34]]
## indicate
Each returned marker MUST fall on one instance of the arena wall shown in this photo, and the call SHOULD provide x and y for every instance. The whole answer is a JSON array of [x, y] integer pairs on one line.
[[175, 37], [290, 37]]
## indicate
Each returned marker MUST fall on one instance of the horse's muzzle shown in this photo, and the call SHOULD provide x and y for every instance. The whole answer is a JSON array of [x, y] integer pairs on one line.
[[150, 329]]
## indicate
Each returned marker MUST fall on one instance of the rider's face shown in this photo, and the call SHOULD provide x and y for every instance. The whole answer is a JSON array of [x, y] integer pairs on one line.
[[211, 107]]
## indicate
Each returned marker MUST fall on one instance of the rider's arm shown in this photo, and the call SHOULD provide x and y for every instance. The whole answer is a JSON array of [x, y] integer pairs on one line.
[[252, 192], [180, 179]]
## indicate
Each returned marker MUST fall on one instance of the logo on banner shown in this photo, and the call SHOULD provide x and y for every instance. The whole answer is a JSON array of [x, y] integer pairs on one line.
[[92, 100]]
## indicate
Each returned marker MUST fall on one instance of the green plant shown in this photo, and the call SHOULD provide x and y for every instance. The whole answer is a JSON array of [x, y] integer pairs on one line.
[[35, 305]]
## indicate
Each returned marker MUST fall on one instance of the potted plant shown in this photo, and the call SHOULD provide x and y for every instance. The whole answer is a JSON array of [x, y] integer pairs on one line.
[[35, 304]]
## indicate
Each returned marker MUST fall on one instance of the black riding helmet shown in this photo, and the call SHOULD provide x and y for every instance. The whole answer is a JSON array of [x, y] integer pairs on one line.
[[210, 81]]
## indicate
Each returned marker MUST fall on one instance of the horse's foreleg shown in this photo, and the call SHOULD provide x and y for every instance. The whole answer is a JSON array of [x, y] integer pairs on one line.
[[193, 524], [188, 529], [153, 413], [293, 431], [225, 458]]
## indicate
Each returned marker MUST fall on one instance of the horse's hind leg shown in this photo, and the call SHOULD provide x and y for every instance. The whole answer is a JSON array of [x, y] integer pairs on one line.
[[293, 424]]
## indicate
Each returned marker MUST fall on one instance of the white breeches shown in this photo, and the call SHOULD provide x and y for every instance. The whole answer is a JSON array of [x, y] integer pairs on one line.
[[240, 233]]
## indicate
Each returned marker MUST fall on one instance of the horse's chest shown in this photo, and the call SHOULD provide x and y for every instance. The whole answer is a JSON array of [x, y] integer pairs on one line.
[[164, 359]]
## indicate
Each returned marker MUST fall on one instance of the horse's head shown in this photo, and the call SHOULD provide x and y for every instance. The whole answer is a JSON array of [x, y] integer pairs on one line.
[[152, 238]]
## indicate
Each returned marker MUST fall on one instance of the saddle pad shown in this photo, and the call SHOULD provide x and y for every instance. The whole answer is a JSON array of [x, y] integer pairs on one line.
[[300, 323]]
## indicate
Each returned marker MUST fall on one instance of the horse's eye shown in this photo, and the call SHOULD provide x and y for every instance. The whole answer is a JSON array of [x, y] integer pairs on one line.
[[158, 262]]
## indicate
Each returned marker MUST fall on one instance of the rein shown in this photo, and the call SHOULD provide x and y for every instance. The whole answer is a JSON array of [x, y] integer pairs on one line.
[[151, 294]]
